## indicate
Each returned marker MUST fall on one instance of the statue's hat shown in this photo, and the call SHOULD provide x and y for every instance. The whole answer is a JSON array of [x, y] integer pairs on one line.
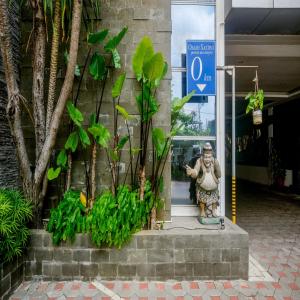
[[207, 147]]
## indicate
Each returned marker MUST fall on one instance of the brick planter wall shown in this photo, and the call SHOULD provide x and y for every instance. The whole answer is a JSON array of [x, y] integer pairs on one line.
[[11, 276], [151, 255]]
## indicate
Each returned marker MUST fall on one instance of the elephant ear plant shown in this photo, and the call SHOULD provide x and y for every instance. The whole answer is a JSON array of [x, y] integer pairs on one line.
[[149, 69]]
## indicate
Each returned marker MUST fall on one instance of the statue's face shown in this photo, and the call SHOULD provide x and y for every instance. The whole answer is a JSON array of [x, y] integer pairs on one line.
[[207, 159]]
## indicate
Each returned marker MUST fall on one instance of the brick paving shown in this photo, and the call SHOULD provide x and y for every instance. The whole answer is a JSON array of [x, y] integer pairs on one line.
[[273, 224]]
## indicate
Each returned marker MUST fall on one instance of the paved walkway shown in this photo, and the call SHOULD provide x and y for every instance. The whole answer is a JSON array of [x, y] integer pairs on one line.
[[273, 224]]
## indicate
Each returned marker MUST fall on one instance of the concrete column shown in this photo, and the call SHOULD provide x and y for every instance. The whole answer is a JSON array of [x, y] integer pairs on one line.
[[220, 99]]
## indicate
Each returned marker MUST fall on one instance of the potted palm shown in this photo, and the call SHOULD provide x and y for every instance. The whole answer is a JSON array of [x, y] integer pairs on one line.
[[255, 102]]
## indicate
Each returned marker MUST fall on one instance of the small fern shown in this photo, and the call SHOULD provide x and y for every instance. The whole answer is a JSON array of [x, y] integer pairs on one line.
[[15, 212]]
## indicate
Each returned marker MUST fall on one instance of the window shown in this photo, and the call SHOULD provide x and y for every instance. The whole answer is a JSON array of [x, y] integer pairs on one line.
[[198, 118]]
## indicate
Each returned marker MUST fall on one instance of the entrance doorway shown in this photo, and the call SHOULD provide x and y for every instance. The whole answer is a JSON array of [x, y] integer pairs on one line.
[[197, 120]]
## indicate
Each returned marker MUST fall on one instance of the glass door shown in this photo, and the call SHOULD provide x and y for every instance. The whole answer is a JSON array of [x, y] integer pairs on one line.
[[190, 21]]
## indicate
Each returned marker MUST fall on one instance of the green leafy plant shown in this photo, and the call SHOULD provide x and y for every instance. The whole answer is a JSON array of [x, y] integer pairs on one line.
[[68, 218], [255, 100], [114, 218], [76, 136], [15, 212]]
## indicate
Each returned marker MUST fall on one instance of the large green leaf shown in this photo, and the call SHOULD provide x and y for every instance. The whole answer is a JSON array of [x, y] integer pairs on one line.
[[52, 174], [84, 138], [159, 141], [74, 113], [72, 141], [122, 142], [142, 55], [117, 88], [97, 37], [97, 66], [123, 112], [154, 68], [62, 158], [100, 134], [116, 58], [115, 41], [177, 103], [163, 74]]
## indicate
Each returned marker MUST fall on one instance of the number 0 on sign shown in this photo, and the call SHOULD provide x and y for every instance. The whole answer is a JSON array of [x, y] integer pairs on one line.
[[201, 67]]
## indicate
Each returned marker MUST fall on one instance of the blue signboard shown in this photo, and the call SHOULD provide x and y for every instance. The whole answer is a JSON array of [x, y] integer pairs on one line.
[[201, 67]]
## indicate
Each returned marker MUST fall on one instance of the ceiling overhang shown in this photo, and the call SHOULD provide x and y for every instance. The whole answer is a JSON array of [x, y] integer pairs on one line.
[[262, 17]]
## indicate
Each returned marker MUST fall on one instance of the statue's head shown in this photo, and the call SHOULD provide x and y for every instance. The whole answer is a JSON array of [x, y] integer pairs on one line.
[[207, 154]]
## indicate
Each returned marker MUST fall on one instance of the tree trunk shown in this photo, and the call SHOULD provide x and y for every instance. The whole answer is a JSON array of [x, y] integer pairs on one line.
[[38, 71], [142, 182], [34, 193], [53, 62], [64, 94], [14, 97], [32, 182], [153, 218]]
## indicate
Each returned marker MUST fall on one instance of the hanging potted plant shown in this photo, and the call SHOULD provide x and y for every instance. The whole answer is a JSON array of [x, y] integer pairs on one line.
[[255, 102]]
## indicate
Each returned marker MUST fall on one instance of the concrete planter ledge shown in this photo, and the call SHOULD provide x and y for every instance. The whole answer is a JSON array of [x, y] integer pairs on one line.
[[173, 253]]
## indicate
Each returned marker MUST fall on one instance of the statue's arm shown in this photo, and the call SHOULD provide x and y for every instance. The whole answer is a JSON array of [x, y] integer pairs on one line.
[[217, 169], [195, 171]]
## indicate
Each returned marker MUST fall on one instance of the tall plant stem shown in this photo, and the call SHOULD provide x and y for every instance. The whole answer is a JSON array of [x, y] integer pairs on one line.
[[69, 171], [100, 100], [93, 171], [87, 180], [130, 152], [94, 144], [71, 125], [81, 76], [112, 174]]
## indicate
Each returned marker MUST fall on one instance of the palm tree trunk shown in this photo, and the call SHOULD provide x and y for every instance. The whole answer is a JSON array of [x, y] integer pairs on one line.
[[38, 71], [14, 97], [64, 94], [53, 62]]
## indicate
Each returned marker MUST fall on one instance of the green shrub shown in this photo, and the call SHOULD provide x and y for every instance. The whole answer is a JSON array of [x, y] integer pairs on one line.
[[68, 218], [15, 212], [111, 221], [114, 219]]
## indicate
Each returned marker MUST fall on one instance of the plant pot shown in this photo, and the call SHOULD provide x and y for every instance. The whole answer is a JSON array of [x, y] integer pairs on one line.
[[257, 117]]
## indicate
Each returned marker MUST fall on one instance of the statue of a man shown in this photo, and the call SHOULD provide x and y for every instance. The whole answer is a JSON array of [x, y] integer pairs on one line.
[[207, 172]]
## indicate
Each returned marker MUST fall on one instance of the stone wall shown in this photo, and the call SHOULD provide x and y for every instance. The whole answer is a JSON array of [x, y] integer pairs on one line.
[[151, 255], [11, 276]]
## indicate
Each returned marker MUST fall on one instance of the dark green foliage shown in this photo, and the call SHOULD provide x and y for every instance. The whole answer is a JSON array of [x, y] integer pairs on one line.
[[15, 212], [97, 67], [68, 218], [114, 219], [97, 37]]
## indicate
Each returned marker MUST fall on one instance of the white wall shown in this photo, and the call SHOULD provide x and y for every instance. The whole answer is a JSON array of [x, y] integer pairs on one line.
[[260, 175]]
